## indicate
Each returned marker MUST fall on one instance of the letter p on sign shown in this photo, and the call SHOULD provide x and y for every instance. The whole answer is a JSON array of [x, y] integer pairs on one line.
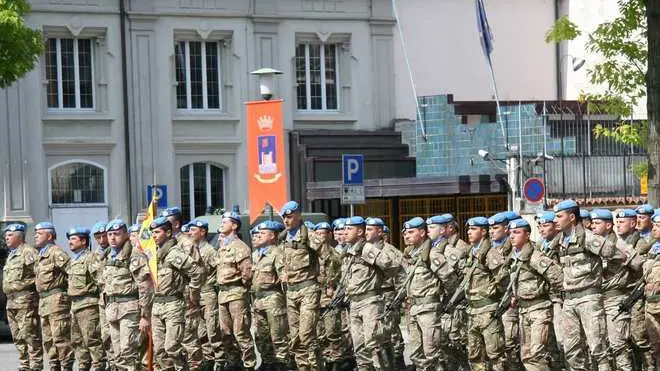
[[352, 169]]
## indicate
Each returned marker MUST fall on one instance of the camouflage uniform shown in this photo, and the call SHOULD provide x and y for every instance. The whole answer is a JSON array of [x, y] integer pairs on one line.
[[85, 327], [534, 276], [301, 267], [652, 294], [580, 256], [233, 275], [100, 257], [191, 341], [369, 266], [129, 294], [555, 338], [269, 306], [390, 287], [22, 303], [209, 334], [485, 333], [175, 268], [54, 306]]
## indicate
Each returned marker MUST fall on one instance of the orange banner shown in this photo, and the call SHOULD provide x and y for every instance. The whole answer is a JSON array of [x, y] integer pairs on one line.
[[267, 181]]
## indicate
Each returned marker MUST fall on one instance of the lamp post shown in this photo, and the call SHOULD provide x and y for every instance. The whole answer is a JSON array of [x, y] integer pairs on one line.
[[266, 81]]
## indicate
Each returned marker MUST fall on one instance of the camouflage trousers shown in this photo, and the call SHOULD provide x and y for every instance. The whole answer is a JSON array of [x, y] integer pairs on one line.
[[56, 334], [26, 333], [106, 343], [332, 339], [427, 341], [272, 332], [511, 339], [302, 308], [618, 331], [167, 326], [640, 338], [653, 331], [392, 325], [235, 325], [126, 340], [367, 331], [209, 328], [535, 332], [86, 338], [454, 325], [191, 340], [584, 321], [556, 339], [485, 342]]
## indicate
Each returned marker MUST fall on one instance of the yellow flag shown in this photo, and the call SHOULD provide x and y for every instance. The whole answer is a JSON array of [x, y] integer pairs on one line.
[[147, 244]]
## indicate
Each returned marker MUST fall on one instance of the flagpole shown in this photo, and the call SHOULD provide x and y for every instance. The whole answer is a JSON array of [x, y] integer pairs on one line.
[[150, 341]]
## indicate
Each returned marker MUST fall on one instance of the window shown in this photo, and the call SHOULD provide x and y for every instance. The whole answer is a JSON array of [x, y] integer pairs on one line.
[[77, 183], [69, 72], [202, 186], [197, 69], [316, 76]]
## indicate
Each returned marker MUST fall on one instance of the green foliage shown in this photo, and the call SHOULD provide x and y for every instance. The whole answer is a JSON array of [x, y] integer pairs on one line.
[[20, 46], [562, 30]]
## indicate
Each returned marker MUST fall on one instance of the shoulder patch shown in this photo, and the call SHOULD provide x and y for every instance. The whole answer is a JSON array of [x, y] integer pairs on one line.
[[178, 260], [543, 263], [436, 262], [135, 263]]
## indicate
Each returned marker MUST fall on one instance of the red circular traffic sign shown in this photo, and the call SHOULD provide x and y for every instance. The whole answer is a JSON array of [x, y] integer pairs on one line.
[[533, 190]]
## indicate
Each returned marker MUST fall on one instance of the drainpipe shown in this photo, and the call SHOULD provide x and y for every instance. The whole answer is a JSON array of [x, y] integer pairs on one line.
[[127, 129], [558, 58]]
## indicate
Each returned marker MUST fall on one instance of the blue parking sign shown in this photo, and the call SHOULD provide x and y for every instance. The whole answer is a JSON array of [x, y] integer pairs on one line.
[[161, 193], [352, 169]]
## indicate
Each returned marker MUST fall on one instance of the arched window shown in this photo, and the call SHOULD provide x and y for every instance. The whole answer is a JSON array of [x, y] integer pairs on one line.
[[202, 186], [77, 183]]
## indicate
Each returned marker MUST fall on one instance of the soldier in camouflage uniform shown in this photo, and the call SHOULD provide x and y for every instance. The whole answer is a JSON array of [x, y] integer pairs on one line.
[[431, 278], [652, 289], [129, 294], [22, 298], [269, 306], [175, 268], [368, 266], [585, 216], [580, 254], [301, 268], [234, 277], [341, 248], [54, 303], [84, 293], [209, 334], [533, 276], [101, 255]]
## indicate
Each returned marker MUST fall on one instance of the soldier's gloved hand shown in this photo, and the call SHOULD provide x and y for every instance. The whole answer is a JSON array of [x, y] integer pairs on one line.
[[144, 325], [194, 300]]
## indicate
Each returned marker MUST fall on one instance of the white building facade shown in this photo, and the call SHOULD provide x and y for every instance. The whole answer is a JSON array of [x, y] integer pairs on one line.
[[80, 140]]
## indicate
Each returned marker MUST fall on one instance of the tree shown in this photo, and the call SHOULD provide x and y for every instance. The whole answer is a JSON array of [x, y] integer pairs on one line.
[[628, 48], [20, 46]]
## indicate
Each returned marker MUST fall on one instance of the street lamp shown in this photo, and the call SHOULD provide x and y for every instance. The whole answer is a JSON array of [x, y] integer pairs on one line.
[[576, 64], [266, 81], [512, 167]]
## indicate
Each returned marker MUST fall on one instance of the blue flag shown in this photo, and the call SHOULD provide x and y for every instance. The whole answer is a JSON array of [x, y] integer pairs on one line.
[[485, 35]]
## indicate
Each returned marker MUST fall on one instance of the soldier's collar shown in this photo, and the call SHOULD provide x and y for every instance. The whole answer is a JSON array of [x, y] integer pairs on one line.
[[45, 250], [76, 255]]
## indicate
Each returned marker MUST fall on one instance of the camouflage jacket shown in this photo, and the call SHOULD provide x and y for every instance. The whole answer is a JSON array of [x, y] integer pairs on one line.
[[301, 261], [51, 280], [432, 278], [177, 271], [370, 266], [18, 277], [485, 283], [234, 270], [83, 281]]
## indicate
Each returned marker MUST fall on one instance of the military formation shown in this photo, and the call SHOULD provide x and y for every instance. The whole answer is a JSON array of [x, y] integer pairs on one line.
[[336, 296]]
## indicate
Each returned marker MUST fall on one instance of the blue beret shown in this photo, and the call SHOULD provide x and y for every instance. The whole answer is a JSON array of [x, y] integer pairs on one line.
[[499, 218], [199, 223], [289, 208], [270, 225], [233, 216], [414, 223], [309, 225], [386, 229], [254, 230], [171, 211], [45, 225], [656, 218], [99, 227], [160, 222], [354, 221], [478, 221], [134, 228], [626, 213], [440, 219], [375, 222], [339, 223], [645, 209], [511, 215], [115, 225], [603, 214], [323, 225], [15, 227], [518, 223], [585, 214], [546, 217], [185, 228], [78, 231], [565, 205]]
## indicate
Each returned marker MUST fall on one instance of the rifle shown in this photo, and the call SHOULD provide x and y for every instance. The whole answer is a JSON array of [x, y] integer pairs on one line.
[[630, 300], [459, 294], [505, 302], [340, 294], [401, 294]]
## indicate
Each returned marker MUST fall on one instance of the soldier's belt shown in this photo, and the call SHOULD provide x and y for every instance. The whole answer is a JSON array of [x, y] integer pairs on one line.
[[421, 300], [653, 299], [19, 294], [366, 295], [476, 304], [121, 298], [531, 302], [580, 293], [45, 294], [229, 285], [262, 294], [611, 293], [85, 296], [167, 298], [387, 289], [301, 285]]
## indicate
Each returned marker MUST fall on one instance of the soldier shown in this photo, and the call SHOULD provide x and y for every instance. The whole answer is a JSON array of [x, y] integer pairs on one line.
[[443, 232], [209, 334], [54, 303], [644, 225], [374, 235], [84, 293], [363, 277], [129, 293], [101, 256], [482, 289], [301, 268], [269, 305], [134, 235], [234, 275], [254, 236], [175, 268], [430, 277], [22, 298], [580, 254], [338, 235], [387, 237], [533, 276], [652, 289], [585, 216]]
